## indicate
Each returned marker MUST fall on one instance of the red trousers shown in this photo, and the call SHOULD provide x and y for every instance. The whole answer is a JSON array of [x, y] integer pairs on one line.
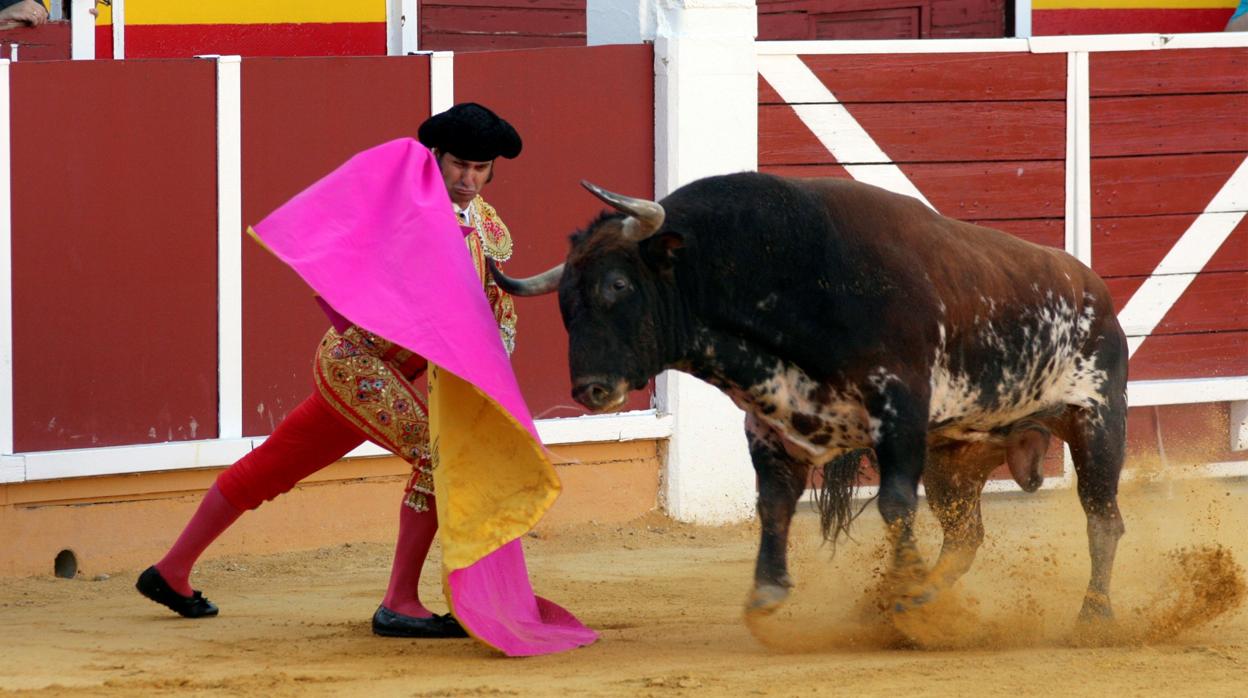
[[311, 437]]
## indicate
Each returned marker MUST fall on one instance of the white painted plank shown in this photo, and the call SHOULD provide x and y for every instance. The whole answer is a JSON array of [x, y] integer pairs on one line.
[[833, 125], [1193, 250], [867, 46], [229, 248], [1184, 391], [6, 268]]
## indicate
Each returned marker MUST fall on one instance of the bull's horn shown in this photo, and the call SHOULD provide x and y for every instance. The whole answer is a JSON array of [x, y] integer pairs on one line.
[[648, 215], [546, 282]]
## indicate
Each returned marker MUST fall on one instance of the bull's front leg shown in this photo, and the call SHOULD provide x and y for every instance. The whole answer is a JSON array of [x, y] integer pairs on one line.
[[901, 448], [781, 481]]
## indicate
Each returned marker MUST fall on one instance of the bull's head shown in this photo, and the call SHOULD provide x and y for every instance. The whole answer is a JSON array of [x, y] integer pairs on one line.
[[613, 295]]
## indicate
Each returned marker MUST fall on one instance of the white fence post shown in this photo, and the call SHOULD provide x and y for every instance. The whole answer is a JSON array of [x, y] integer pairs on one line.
[[402, 27], [6, 270], [82, 30], [119, 29], [229, 248], [706, 123], [441, 81]]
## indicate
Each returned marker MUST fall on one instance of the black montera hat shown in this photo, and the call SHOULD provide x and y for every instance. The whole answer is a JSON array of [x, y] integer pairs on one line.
[[470, 131]]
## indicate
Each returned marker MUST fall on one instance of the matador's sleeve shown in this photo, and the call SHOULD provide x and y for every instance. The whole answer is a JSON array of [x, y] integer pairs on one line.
[[497, 246]]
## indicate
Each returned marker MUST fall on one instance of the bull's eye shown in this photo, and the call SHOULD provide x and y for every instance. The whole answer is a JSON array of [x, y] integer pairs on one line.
[[615, 286]]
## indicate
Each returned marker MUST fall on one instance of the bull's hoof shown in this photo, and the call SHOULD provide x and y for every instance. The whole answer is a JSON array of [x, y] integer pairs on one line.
[[913, 601], [765, 599], [1096, 626], [1096, 609], [934, 618]]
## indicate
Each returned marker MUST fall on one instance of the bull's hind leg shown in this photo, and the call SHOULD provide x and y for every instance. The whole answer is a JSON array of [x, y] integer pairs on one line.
[[781, 482], [954, 480], [1096, 437]]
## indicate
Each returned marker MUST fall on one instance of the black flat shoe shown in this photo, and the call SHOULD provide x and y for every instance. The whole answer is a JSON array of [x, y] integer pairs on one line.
[[387, 623], [154, 587]]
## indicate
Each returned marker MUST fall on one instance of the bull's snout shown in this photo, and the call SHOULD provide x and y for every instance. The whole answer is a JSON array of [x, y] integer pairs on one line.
[[599, 395]]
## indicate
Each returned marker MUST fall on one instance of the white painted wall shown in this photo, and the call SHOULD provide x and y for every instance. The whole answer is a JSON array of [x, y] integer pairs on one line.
[[705, 123]]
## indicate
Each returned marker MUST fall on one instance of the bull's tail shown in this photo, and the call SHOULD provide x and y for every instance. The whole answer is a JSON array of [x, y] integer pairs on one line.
[[834, 498]]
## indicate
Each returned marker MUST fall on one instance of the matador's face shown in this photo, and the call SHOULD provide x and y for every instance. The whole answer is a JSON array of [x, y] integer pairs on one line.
[[464, 179]]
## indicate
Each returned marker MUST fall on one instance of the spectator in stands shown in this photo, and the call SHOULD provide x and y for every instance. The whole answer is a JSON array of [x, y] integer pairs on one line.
[[331, 422], [22, 13], [1239, 19]]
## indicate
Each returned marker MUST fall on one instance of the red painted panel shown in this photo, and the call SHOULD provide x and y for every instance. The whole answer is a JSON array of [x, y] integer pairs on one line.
[[1135, 246], [942, 77], [1207, 123], [1165, 184], [46, 42], [1191, 356], [510, 4], [301, 119], [306, 39], [114, 253], [879, 19], [977, 191], [830, 169], [895, 23], [504, 20], [449, 41], [1042, 231], [575, 125], [1128, 21], [1189, 434], [1177, 71], [1214, 302], [968, 19], [485, 25], [919, 132], [993, 190]]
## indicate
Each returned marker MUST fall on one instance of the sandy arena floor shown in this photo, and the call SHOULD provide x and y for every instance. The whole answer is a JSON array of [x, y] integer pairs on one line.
[[667, 599]]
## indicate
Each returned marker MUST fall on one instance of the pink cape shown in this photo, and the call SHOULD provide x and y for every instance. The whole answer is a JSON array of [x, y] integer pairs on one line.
[[378, 241]]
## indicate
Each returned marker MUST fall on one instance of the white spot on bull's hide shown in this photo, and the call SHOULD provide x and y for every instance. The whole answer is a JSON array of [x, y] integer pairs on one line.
[[790, 393], [1049, 370], [875, 424], [879, 378], [769, 302]]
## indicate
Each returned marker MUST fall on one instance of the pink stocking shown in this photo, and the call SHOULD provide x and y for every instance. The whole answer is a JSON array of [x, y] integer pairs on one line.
[[215, 514], [416, 531]]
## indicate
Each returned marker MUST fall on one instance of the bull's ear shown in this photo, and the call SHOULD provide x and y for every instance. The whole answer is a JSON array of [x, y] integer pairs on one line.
[[660, 251]]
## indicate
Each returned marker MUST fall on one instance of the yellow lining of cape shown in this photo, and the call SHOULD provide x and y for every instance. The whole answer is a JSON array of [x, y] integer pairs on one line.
[[493, 480]]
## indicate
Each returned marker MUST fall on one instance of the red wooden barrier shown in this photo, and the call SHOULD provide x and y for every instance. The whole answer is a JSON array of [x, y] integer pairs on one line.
[[301, 118], [114, 253], [1165, 137], [981, 135]]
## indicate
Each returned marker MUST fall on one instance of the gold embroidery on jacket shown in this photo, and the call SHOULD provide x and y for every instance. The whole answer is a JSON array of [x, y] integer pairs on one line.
[[371, 393]]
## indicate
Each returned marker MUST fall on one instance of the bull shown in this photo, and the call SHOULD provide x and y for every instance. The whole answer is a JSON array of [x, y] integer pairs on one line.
[[846, 319]]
